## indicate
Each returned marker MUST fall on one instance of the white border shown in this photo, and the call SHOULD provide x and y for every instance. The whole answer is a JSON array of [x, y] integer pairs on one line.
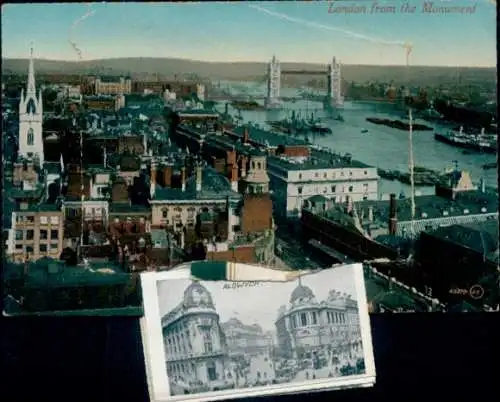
[[154, 351]]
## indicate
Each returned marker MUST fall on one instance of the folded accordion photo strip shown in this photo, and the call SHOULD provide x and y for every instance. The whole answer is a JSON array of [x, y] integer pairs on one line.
[[217, 331]]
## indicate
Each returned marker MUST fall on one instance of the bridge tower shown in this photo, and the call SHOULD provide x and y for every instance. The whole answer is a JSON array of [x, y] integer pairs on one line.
[[273, 84], [334, 94]]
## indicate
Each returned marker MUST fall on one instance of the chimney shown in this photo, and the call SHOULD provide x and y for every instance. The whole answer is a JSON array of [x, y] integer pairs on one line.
[[183, 178], [370, 213], [393, 220], [167, 176], [245, 135], [244, 161], [199, 172], [234, 177], [153, 179], [145, 144]]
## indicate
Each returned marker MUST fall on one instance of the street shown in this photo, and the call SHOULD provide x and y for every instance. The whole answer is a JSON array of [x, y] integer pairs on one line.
[[291, 252]]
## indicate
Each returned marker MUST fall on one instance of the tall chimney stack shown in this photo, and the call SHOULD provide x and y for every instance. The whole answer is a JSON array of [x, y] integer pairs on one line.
[[199, 172], [245, 135], [393, 220], [234, 177], [183, 178], [152, 188]]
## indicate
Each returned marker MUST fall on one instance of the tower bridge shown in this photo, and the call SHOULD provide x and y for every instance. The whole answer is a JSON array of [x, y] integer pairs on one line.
[[333, 98]]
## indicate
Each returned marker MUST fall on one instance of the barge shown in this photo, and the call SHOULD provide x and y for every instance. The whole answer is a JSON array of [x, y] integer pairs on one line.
[[398, 124]]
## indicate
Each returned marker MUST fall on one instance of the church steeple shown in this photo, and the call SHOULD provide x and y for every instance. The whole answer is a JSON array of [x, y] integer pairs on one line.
[[31, 89]]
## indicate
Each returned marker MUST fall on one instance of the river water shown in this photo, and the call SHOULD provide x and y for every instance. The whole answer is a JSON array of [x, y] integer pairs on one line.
[[381, 146]]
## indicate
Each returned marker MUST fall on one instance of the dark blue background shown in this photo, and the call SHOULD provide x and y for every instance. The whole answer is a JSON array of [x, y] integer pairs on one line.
[[418, 356]]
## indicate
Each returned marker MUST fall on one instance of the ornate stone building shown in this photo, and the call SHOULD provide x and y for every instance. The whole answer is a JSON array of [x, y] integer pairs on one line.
[[307, 326], [195, 345]]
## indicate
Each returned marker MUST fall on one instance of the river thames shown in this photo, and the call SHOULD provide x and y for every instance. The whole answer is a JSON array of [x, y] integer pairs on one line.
[[381, 146]]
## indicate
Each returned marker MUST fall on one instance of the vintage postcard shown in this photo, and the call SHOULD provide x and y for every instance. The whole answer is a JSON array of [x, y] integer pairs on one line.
[[216, 340], [290, 134]]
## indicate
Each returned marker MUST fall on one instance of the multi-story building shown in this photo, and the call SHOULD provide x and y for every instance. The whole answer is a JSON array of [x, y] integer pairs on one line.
[[306, 325], [36, 232], [107, 87], [295, 179], [195, 345], [245, 340]]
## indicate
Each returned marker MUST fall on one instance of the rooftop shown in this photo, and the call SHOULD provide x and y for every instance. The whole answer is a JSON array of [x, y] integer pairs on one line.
[[317, 160], [214, 187], [40, 208], [127, 208]]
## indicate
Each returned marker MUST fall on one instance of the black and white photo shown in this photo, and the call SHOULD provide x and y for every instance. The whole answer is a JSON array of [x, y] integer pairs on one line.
[[221, 336]]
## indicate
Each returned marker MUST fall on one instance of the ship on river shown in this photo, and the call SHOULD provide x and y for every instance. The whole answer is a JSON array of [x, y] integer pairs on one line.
[[482, 142], [398, 124]]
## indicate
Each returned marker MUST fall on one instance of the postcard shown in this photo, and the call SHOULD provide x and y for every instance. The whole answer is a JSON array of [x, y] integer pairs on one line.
[[217, 340]]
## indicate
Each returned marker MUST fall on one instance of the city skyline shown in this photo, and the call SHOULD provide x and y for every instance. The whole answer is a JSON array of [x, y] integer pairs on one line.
[[260, 312], [232, 32]]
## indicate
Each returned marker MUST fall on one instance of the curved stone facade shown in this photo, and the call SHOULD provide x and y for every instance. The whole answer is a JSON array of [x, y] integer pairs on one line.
[[306, 325], [195, 345]]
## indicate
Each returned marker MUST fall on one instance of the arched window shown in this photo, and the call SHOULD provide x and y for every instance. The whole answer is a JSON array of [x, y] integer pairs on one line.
[[164, 212], [31, 136]]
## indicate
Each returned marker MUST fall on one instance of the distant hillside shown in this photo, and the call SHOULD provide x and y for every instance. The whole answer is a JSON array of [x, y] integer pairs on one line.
[[167, 67]]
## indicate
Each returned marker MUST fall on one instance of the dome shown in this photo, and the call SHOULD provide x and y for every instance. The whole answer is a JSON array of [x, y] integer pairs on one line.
[[301, 292], [197, 295], [211, 182]]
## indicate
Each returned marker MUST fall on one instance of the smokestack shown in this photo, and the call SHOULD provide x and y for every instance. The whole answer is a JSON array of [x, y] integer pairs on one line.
[[234, 177], [145, 144], [183, 178], [393, 220], [152, 188], [244, 161], [199, 172], [245, 135], [370, 213]]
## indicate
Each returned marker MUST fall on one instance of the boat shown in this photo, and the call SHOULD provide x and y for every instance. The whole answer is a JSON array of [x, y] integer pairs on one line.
[[398, 124], [319, 128], [364, 130], [481, 143]]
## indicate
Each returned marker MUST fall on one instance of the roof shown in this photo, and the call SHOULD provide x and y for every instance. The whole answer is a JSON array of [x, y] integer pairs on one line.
[[267, 138], [214, 187], [40, 208], [316, 160], [481, 237]]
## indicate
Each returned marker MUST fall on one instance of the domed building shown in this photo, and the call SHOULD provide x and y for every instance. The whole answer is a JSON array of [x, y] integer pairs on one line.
[[195, 345], [306, 326]]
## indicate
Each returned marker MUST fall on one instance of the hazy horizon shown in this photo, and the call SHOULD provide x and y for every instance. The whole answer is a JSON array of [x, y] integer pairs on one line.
[[300, 32], [238, 62]]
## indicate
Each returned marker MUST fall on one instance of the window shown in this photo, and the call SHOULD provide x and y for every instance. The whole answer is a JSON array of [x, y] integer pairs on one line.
[[19, 235], [294, 321], [30, 234], [31, 136], [300, 176], [299, 189], [164, 212], [43, 248], [350, 173], [351, 188], [324, 175], [303, 319], [259, 166], [43, 235], [334, 189], [54, 234], [29, 249], [365, 188], [19, 246], [342, 173], [54, 246], [366, 172], [316, 174], [44, 220], [54, 220], [207, 340], [314, 318], [30, 219]]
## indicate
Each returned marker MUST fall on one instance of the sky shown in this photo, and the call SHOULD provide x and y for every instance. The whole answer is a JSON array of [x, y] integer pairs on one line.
[[265, 298], [293, 31]]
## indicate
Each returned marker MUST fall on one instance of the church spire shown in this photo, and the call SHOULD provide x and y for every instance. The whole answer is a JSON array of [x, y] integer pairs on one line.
[[31, 73]]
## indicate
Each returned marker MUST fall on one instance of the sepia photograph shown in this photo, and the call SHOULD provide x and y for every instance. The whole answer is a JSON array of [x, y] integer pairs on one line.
[[263, 336]]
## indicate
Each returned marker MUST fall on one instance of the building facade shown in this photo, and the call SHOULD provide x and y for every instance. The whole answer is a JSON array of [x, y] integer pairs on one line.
[[294, 180], [246, 339], [123, 86], [37, 232], [195, 345], [306, 325]]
